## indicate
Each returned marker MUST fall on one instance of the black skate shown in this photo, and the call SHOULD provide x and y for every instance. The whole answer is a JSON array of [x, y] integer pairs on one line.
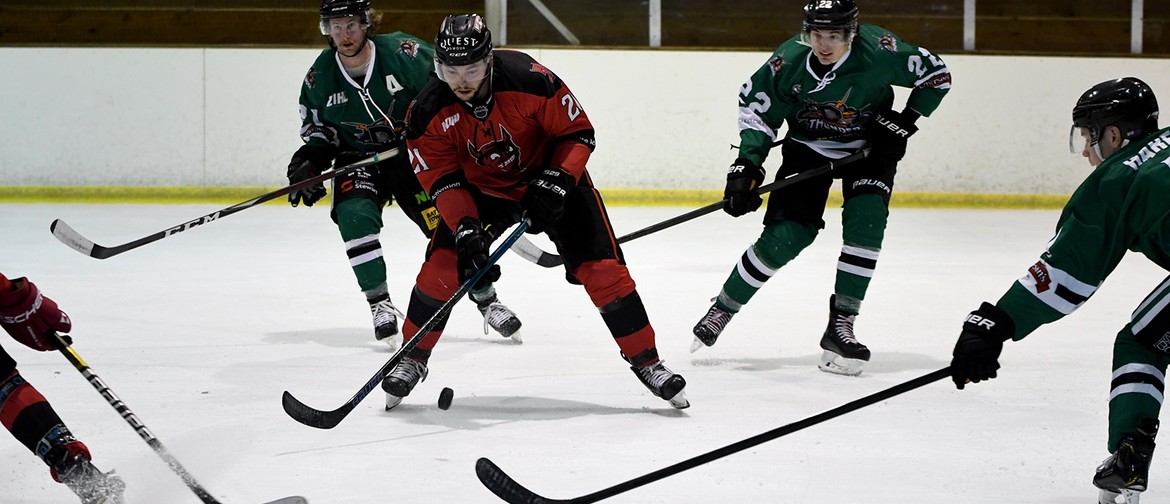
[[386, 322], [1124, 474], [499, 317], [663, 383], [843, 354], [90, 484], [710, 327], [402, 379]]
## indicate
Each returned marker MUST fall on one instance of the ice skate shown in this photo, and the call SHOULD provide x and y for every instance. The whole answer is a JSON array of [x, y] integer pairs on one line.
[[402, 379], [843, 354], [499, 317], [386, 322], [91, 485], [710, 327], [1124, 496], [1124, 474], [663, 383]]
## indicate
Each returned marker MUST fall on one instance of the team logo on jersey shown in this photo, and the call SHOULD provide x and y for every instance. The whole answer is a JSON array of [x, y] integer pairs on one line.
[[378, 133], [1040, 274], [543, 70], [776, 63], [887, 42], [498, 153], [409, 48], [833, 116], [311, 78]]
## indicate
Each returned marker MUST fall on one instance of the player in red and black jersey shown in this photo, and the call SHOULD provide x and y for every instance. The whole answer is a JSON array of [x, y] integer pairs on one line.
[[495, 137]]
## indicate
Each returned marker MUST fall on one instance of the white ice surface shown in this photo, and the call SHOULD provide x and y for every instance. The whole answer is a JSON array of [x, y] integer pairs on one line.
[[200, 333]]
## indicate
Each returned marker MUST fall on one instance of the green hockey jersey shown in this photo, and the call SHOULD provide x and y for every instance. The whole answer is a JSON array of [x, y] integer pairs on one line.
[[339, 113], [830, 114], [1122, 205]]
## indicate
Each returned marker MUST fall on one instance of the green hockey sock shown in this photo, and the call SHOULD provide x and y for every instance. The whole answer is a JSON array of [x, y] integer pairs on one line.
[[778, 244], [360, 221], [863, 223]]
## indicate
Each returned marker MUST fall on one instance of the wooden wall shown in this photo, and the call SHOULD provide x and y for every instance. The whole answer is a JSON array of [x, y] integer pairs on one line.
[[1003, 26]]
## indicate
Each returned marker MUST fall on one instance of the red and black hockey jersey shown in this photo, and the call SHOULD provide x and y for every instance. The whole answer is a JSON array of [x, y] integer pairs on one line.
[[530, 122]]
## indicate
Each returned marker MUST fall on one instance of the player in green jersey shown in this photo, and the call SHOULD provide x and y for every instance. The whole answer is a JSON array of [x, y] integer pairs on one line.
[[353, 102], [832, 86], [1123, 205]]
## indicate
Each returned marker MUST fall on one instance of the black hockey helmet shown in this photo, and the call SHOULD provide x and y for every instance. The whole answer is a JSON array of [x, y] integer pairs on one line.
[[332, 9], [830, 15], [1127, 103], [462, 39]]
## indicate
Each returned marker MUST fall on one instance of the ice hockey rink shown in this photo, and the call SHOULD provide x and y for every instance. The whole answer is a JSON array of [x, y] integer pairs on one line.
[[201, 332]]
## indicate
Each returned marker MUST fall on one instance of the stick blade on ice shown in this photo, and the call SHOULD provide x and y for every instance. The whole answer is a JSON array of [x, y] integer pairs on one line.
[[310, 416], [71, 238]]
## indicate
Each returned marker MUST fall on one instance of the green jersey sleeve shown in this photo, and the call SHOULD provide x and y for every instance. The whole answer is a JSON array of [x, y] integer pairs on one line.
[[909, 66], [1121, 206], [763, 103]]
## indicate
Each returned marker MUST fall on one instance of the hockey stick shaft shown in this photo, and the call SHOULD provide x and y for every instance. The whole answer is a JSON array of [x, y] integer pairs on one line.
[[312, 417], [71, 238], [549, 260], [510, 491], [133, 420]]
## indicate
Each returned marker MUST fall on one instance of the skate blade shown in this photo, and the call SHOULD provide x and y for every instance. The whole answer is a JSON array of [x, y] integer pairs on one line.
[[394, 342], [392, 401], [836, 364], [679, 401], [516, 337], [697, 344], [1126, 496]]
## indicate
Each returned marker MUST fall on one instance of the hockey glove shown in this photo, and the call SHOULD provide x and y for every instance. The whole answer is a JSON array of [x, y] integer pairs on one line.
[[30, 317], [743, 178], [888, 132], [544, 201], [471, 243], [300, 169], [976, 356]]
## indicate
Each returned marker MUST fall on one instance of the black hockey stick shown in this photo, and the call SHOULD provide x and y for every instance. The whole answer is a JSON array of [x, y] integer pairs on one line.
[[548, 259], [141, 429], [313, 417], [510, 491], [76, 241]]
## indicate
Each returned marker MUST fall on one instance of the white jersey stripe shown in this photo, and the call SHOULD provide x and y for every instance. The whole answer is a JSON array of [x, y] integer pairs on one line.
[[1057, 278], [1137, 388], [1140, 368], [750, 121]]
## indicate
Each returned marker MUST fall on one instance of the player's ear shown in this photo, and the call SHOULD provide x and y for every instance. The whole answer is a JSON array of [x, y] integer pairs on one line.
[[1113, 137]]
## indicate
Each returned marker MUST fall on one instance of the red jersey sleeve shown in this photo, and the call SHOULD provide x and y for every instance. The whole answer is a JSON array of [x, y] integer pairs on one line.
[[572, 133]]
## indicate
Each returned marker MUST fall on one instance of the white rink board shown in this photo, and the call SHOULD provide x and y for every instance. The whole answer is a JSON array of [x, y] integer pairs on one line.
[[664, 119]]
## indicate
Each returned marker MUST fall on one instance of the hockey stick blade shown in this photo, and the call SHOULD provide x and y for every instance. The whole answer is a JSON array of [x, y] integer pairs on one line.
[[320, 419], [529, 251], [548, 259], [74, 240], [508, 489], [296, 499]]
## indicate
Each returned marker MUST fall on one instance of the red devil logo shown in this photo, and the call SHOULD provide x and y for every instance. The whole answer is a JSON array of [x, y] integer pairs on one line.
[[500, 154]]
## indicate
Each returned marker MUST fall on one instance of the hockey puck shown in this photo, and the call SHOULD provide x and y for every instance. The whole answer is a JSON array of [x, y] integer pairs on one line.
[[445, 398]]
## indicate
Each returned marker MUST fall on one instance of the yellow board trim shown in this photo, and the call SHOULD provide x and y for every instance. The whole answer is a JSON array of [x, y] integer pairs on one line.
[[613, 197]]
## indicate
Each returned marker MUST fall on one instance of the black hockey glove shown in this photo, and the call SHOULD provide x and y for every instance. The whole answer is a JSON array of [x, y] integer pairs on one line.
[[300, 169], [743, 178], [471, 243], [976, 356], [544, 201], [888, 132]]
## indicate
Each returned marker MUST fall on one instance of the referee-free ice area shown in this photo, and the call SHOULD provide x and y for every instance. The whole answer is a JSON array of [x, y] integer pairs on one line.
[[201, 332]]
